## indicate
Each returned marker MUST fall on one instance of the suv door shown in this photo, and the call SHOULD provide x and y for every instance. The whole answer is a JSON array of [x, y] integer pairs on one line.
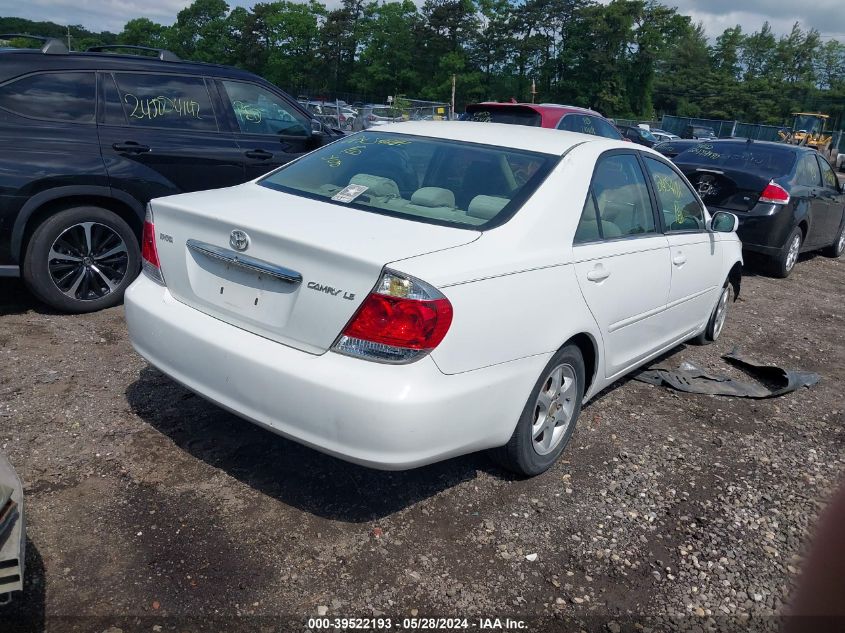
[[49, 140], [269, 130], [622, 262], [827, 213], [695, 252], [159, 135]]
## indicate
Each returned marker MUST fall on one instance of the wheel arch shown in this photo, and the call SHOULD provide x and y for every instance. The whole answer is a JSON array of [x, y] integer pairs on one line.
[[42, 205], [589, 349], [735, 278]]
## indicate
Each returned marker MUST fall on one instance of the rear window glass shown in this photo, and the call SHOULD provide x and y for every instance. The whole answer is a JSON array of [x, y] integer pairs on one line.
[[513, 116], [754, 157], [451, 183], [54, 96]]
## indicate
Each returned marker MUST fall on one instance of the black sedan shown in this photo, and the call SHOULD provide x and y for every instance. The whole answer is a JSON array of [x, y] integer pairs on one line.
[[787, 198]]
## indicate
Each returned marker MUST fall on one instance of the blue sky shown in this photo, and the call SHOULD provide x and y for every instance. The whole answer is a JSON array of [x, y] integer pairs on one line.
[[828, 16]]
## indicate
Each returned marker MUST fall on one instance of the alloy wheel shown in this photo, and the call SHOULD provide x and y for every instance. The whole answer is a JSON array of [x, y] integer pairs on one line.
[[721, 311], [792, 255], [87, 261], [553, 409]]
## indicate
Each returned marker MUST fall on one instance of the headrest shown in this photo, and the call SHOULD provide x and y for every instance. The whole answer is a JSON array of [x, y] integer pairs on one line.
[[486, 206], [376, 185], [433, 197]]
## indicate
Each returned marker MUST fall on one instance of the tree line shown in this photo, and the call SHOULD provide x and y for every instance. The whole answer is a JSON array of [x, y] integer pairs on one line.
[[628, 58]]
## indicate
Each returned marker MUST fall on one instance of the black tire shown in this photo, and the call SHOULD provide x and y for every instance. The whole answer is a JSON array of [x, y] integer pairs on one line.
[[519, 454], [838, 247], [91, 282], [783, 264], [720, 311]]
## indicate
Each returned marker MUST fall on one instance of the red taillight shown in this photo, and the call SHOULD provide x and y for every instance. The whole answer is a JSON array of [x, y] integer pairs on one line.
[[774, 194], [401, 320], [149, 251], [408, 323]]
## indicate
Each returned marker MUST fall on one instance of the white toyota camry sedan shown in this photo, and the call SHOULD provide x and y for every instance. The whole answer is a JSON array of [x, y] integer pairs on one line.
[[430, 289]]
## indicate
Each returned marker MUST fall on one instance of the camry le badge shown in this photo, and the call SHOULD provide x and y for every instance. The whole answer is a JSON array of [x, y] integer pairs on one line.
[[239, 240]]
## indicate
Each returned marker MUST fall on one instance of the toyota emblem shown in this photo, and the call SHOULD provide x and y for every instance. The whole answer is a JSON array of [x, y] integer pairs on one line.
[[239, 240]]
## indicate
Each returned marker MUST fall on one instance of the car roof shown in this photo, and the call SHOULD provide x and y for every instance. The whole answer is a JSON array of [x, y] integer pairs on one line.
[[772, 144], [535, 139], [555, 109], [18, 61]]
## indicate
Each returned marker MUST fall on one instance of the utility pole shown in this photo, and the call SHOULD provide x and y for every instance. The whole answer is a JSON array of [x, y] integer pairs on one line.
[[68, 37], [453, 96]]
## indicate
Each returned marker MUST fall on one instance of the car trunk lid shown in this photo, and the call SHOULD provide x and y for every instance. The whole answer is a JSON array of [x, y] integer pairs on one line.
[[725, 188], [306, 267]]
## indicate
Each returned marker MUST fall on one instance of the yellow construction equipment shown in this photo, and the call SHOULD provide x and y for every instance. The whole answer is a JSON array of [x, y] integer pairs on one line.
[[809, 128]]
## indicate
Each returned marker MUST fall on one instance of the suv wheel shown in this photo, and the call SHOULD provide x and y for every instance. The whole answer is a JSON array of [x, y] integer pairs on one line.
[[81, 260]]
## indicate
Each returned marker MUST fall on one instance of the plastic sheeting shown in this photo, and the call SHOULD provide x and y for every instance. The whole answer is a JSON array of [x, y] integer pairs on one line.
[[772, 380]]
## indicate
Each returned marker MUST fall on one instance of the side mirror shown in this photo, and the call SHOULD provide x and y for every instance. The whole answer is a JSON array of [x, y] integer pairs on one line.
[[724, 222], [317, 127]]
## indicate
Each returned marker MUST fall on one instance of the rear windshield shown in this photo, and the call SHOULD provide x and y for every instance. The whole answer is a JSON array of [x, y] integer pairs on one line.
[[511, 115], [766, 159], [463, 185]]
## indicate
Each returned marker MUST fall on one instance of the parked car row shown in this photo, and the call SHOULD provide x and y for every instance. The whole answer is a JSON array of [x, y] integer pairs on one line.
[[404, 276]]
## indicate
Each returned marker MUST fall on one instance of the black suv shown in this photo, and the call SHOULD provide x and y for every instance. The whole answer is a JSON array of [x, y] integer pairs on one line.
[[89, 138]]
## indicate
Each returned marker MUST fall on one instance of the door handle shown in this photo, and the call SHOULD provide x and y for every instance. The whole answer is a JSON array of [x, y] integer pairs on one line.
[[130, 147], [598, 274], [679, 260], [260, 154]]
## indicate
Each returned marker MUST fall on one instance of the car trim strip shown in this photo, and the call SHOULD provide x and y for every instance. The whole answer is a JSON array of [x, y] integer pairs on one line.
[[244, 261]]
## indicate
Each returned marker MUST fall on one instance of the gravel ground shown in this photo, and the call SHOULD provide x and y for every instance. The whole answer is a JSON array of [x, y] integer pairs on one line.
[[150, 509]]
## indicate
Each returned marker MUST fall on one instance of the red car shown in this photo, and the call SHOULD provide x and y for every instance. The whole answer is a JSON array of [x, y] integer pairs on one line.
[[550, 115]]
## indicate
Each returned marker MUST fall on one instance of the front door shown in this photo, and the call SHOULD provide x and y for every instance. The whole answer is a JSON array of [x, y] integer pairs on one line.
[[695, 254], [159, 135], [622, 262], [269, 130], [827, 214]]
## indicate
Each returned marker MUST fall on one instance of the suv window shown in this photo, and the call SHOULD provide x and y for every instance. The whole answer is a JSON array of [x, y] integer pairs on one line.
[[680, 208], [53, 96], [166, 101], [807, 171], [259, 111], [618, 204], [829, 178]]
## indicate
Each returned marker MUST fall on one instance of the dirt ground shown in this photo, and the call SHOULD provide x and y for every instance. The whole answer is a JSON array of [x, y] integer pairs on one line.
[[150, 509]]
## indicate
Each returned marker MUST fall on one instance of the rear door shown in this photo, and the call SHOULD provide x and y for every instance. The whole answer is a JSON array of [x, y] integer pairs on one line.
[[159, 135], [828, 213], [695, 254], [269, 130], [622, 262], [48, 138]]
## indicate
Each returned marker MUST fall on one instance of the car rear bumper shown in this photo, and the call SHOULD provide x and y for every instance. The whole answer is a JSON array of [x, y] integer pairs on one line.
[[389, 417], [764, 229]]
